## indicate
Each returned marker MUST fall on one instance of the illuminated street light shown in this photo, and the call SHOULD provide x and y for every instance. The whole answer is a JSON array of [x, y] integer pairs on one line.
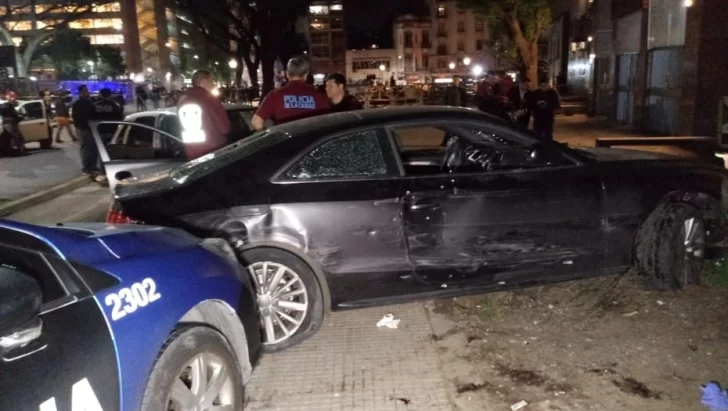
[[91, 63], [196, 57], [466, 61], [149, 70], [477, 70], [168, 76], [382, 67], [33, 78], [590, 38], [233, 64], [688, 3], [452, 66]]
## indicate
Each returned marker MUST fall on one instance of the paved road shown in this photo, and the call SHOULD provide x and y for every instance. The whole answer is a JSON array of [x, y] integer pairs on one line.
[[21, 176], [88, 203]]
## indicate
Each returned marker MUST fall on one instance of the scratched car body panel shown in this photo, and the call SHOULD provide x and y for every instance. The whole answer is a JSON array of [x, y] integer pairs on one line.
[[137, 284], [429, 212]]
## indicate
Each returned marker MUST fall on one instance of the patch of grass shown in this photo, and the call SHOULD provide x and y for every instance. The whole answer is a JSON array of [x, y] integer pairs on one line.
[[715, 273]]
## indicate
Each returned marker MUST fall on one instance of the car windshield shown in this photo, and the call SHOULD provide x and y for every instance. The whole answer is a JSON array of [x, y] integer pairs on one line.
[[227, 155]]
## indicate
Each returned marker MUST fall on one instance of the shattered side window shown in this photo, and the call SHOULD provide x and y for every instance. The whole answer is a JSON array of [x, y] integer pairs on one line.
[[355, 155]]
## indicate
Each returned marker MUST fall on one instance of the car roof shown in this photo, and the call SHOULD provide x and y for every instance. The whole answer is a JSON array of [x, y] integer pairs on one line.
[[369, 117], [173, 110]]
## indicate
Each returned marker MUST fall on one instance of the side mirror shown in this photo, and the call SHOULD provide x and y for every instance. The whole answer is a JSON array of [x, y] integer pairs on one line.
[[21, 298]]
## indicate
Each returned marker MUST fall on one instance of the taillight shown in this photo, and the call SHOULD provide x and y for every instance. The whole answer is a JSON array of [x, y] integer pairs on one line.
[[116, 215]]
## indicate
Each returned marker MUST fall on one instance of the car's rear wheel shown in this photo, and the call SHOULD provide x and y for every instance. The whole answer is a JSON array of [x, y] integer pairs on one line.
[[196, 370], [288, 294], [672, 245]]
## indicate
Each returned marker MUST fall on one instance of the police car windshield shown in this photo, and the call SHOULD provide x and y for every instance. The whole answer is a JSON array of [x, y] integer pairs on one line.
[[227, 155]]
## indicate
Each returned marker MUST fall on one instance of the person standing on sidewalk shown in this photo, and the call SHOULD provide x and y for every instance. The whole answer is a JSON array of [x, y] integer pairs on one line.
[[519, 100], [106, 109], [544, 103], [455, 94], [340, 99], [83, 112], [295, 100], [10, 121], [63, 118], [199, 108]]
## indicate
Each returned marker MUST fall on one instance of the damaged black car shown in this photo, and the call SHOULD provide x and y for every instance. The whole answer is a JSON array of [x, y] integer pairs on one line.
[[385, 206]]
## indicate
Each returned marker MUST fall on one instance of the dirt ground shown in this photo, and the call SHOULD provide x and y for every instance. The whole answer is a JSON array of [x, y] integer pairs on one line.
[[597, 344]]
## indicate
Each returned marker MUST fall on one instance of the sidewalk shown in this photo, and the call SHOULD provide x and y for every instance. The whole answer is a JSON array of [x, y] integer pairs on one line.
[[42, 169]]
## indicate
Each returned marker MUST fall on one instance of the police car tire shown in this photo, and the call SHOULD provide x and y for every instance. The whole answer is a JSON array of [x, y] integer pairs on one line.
[[181, 346]]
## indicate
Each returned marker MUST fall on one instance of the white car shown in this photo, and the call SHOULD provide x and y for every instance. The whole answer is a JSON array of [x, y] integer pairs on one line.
[[35, 124], [151, 141]]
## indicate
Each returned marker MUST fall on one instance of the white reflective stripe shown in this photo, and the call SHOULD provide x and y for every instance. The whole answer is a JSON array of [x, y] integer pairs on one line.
[[83, 398], [190, 116]]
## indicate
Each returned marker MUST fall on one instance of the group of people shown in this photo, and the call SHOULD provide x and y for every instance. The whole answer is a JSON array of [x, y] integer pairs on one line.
[[516, 104], [295, 100]]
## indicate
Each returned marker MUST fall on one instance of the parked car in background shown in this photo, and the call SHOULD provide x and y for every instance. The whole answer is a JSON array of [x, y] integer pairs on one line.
[[150, 141], [122, 318], [35, 124], [384, 206]]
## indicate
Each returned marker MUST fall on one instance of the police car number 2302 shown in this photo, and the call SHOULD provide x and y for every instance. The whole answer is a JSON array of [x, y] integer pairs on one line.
[[129, 299]]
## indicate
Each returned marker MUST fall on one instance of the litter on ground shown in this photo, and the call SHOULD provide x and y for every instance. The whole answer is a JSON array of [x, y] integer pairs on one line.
[[388, 321]]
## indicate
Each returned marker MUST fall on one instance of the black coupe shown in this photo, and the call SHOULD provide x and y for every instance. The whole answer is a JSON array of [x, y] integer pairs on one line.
[[387, 205]]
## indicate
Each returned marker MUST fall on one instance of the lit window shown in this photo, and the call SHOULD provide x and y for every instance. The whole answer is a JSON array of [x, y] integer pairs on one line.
[[440, 10], [318, 10], [107, 8], [46, 23], [107, 39], [337, 7], [17, 41], [19, 25]]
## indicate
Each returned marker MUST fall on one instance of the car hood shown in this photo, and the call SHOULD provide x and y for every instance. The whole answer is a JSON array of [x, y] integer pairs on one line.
[[90, 243], [614, 154]]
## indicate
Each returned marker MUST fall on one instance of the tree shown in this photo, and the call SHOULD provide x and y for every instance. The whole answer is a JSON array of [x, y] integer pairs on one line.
[[47, 19], [109, 61], [521, 20], [259, 32], [67, 51]]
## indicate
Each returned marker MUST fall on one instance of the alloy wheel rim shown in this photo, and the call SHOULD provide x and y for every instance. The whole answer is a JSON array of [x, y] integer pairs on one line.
[[282, 300], [693, 235], [204, 384]]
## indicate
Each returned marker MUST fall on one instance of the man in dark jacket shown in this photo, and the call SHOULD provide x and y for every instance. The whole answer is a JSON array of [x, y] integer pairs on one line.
[[340, 99], [10, 121], [456, 95], [518, 98], [543, 103], [205, 121], [106, 109], [83, 112]]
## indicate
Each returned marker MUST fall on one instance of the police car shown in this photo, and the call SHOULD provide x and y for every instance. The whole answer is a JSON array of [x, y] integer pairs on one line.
[[101, 318]]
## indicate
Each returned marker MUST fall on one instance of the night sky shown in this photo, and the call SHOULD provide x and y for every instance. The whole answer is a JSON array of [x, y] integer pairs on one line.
[[370, 21]]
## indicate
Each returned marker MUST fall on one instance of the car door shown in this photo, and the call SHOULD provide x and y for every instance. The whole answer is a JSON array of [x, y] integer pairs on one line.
[[529, 219], [137, 149], [341, 196], [63, 358], [241, 123], [34, 125]]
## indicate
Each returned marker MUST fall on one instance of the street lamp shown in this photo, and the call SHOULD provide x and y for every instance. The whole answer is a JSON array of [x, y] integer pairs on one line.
[[196, 57], [382, 67], [233, 64], [477, 70], [466, 61], [149, 70], [452, 66]]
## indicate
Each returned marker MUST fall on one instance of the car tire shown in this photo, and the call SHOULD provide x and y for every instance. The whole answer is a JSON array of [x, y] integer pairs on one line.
[[671, 246], [188, 349], [46, 144], [279, 317]]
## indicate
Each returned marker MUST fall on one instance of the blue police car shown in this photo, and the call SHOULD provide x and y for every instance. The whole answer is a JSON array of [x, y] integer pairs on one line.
[[100, 318]]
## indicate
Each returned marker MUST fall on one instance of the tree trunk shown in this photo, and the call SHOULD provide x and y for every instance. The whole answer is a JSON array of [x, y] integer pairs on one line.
[[531, 66], [268, 62]]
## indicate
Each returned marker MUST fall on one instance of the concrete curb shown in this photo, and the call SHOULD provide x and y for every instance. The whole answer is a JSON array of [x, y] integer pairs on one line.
[[44, 195]]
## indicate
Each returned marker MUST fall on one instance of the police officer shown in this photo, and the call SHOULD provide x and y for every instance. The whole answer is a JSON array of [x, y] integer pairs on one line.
[[106, 109], [293, 101]]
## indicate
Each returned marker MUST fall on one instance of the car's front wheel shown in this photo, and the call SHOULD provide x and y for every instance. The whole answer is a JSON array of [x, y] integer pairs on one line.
[[288, 294], [671, 246], [196, 370]]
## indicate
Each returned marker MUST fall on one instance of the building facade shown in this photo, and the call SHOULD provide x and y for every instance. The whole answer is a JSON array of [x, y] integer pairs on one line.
[[153, 36], [327, 37], [375, 64], [413, 48], [460, 41]]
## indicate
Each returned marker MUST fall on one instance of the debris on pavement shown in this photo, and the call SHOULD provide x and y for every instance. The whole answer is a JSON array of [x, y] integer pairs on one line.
[[388, 321], [519, 405], [714, 397], [660, 302], [633, 313], [405, 401]]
